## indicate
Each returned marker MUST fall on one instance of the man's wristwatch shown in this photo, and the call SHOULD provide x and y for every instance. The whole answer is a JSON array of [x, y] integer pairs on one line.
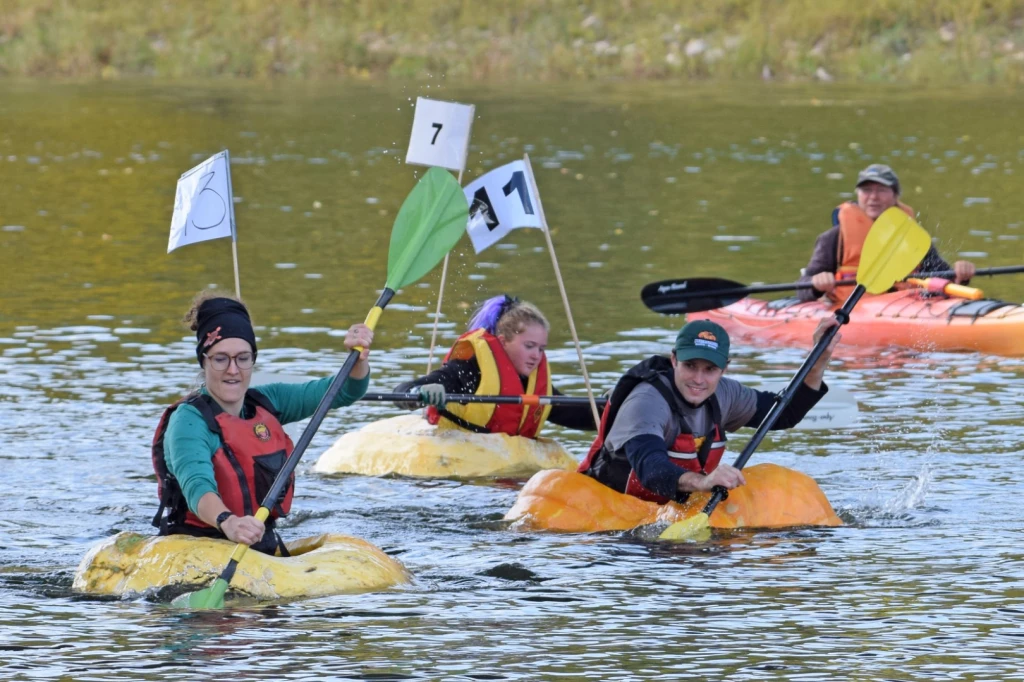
[[221, 518]]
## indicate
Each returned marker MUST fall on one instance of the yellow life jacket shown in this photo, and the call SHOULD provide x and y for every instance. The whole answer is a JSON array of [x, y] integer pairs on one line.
[[497, 377]]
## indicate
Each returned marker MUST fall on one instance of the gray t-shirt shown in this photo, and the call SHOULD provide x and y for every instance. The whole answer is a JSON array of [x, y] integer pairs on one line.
[[645, 412]]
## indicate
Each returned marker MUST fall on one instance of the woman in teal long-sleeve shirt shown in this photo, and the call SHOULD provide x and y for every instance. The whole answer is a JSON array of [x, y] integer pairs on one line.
[[216, 453]]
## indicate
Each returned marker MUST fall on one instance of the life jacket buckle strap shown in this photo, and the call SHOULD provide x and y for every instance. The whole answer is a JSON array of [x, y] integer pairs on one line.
[[459, 421], [158, 518]]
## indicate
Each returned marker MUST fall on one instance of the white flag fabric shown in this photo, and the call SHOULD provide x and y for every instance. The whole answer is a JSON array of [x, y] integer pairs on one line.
[[440, 134], [203, 206], [500, 202]]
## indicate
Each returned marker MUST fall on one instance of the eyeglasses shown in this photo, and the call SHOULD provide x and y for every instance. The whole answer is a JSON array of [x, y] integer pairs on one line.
[[221, 361]]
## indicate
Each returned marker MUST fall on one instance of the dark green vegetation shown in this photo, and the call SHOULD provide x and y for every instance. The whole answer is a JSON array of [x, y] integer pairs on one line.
[[910, 41]]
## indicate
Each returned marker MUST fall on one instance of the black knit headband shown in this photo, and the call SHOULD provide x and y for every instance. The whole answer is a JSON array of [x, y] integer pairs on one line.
[[222, 318]]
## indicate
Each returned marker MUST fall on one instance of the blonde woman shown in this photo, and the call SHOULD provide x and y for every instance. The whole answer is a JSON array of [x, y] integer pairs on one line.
[[501, 353]]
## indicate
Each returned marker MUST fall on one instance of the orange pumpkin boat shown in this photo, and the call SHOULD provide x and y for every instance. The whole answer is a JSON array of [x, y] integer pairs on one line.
[[910, 319], [773, 497]]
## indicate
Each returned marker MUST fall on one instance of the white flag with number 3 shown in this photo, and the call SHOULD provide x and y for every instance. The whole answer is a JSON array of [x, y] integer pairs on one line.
[[500, 202], [203, 207], [440, 134]]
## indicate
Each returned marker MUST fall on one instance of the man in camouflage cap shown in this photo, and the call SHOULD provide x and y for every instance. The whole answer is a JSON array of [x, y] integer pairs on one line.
[[837, 251]]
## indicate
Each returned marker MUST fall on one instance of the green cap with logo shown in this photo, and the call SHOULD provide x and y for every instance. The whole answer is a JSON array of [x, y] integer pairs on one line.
[[703, 340]]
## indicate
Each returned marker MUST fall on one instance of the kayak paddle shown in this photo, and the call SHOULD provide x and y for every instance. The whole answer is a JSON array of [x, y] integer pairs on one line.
[[678, 296], [837, 410], [894, 246], [430, 222], [464, 398], [939, 285]]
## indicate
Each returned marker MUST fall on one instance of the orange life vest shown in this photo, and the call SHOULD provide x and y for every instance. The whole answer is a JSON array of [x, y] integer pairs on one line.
[[251, 454], [689, 453], [854, 225], [497, 377]]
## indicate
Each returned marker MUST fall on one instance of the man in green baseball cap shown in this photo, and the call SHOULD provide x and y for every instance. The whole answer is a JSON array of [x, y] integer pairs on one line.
[[837, 251], [705, 340], [662, 435]]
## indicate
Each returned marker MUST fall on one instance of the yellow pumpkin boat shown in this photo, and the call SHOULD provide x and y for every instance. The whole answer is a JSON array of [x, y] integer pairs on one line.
[[132, 564], [773, 497], [408, 445]]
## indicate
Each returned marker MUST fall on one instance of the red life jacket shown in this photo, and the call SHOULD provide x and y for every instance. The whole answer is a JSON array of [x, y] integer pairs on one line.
[[700, 455], [251, 454], [497, 377]]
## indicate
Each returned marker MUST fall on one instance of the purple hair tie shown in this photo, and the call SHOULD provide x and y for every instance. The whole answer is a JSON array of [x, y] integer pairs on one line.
[[490, 312]]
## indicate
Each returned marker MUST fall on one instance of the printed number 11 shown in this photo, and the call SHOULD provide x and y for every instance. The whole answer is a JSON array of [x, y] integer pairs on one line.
[[436, 132]]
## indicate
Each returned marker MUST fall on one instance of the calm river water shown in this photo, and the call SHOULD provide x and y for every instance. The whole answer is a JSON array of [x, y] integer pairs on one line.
[[925, 582]]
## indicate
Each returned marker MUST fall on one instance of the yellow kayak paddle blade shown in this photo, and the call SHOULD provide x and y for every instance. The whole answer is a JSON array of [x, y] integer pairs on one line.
[[693, 529], [892, 250]]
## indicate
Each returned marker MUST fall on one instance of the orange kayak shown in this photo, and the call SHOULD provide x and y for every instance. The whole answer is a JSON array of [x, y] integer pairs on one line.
[[909, 319]]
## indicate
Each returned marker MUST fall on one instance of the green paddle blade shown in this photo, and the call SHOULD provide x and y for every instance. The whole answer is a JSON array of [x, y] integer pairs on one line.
[[210, 598], [695, 528], [432, 219], [894, 246]]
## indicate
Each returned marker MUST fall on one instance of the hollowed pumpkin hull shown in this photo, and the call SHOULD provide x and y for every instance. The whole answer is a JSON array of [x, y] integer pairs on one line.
[[130, 563], [410, 446], [773, 497]]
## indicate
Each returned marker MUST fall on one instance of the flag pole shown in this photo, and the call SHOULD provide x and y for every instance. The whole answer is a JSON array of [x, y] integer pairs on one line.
[[437, 313], [444, 268], [234, 235], [561, 287]]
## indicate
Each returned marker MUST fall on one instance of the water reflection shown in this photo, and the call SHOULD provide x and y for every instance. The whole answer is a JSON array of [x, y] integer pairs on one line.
[[640, 183]]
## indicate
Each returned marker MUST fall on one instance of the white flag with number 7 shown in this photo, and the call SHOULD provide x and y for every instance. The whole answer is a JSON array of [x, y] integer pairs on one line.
[[500, 202], [440, 134]]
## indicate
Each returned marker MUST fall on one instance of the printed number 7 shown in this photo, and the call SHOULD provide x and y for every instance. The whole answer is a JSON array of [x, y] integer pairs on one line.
[[436, 132]]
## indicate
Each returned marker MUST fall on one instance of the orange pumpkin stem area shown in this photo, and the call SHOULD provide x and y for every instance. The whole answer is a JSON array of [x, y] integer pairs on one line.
[[773, 497]]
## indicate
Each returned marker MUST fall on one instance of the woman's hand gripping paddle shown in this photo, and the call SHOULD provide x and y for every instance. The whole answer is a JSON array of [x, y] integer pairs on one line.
[[430, 222], [893, 248]]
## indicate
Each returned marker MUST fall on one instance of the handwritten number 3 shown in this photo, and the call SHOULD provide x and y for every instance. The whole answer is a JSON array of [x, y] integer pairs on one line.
[[199, 198], [436, 132]]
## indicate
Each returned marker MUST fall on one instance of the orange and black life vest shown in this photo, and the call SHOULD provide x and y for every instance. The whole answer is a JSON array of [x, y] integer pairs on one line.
[[689, 453], [497, 377], [854, 225], [251, 454]]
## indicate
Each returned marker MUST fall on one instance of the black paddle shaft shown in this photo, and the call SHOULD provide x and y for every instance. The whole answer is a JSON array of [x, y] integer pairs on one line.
[[678, 296], [786, 397], [488, 399], [946, 274], [281, 482]]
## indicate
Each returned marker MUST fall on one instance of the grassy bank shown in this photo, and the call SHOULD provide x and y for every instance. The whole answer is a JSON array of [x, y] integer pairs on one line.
[[911, 41]]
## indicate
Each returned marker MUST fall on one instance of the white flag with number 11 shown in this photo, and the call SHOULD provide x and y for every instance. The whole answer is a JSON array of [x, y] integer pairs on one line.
[[500, 202]]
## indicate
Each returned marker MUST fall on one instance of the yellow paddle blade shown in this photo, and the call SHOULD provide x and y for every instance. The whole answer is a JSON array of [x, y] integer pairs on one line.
[[694, 528], [892, 250]]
